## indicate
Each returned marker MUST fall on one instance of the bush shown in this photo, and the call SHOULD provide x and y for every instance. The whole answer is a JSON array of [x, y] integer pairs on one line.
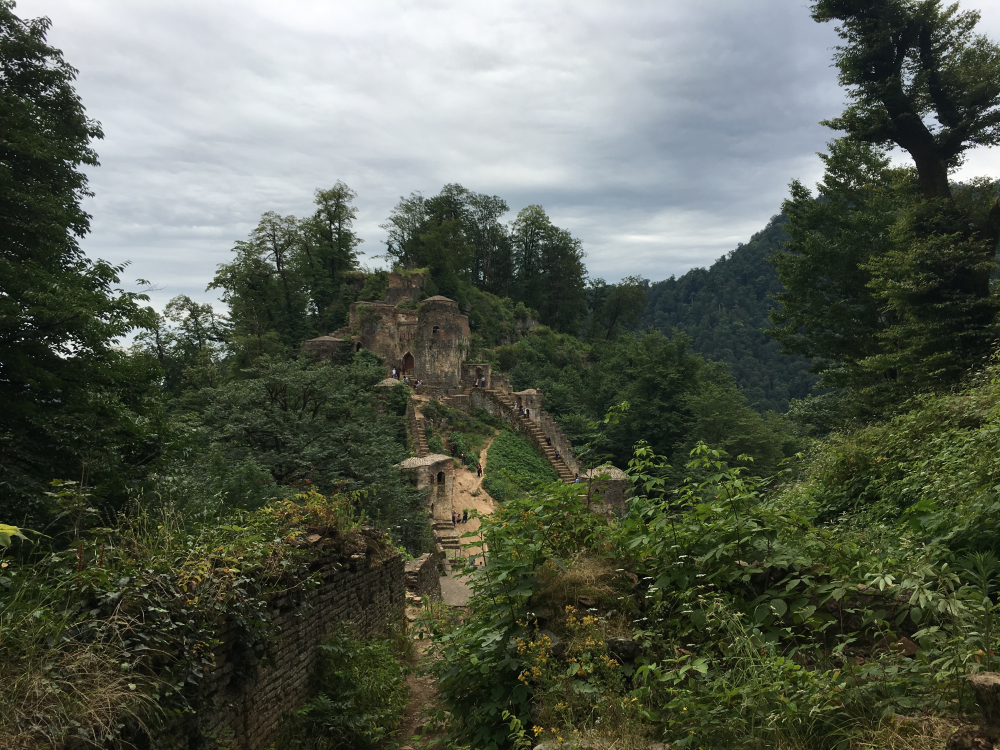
[[362, 696]]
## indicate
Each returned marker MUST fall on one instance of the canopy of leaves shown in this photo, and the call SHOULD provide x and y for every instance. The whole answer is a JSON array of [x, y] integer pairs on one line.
[[72, 404]]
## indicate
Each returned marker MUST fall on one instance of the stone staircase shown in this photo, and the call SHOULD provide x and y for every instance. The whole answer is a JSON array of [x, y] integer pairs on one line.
[[417, 430], [535, 433], [446, 535]]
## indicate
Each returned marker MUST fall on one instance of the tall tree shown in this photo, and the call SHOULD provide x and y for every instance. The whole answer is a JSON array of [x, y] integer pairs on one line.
[[616, 307], [549, 274], [265, 288], [493, 263], [70, 399], [909, 258], [329, 251], [907, 61], [829, 312]]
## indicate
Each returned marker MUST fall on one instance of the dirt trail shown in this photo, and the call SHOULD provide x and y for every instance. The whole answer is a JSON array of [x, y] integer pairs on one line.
[[423, 692], [469, 494]]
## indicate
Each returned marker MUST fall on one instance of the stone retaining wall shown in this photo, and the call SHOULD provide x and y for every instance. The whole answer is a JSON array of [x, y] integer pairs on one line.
[[242, 700], [422, 577]]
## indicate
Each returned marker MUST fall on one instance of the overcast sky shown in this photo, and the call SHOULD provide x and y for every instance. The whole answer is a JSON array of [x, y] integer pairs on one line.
[[661, 133]]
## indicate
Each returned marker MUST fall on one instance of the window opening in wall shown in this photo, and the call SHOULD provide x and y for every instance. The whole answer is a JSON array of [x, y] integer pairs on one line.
[[440, 477], [436, 329]]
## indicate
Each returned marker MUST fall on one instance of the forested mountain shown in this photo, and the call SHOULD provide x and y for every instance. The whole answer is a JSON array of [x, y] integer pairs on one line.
[[724, 309]]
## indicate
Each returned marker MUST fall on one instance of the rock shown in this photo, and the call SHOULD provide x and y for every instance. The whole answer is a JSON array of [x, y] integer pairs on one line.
[[624, 649], [570, 744], [904, 646], [968, 738], [659, 746], [558, 644], [986, 686], [586, 601], [313, 538]]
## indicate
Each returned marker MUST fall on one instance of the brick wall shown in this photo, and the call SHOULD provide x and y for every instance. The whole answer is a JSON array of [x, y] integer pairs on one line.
[[242, 700]]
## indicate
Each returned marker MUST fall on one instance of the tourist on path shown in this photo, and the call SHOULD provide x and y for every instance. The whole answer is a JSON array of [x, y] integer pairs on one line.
[[479, 470], [465, 515]]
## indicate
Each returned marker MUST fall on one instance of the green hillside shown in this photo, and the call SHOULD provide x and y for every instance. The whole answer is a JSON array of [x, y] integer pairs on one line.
[[724, 309]]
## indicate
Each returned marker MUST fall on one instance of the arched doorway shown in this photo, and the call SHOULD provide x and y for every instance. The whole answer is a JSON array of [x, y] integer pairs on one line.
[[440, 477], [358, 347], [408, 362]]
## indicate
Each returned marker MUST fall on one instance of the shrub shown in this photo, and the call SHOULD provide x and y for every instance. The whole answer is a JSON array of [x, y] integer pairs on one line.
[[362, 696]]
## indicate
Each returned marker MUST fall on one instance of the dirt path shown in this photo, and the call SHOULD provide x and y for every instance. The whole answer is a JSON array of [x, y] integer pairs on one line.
[[470, 494]]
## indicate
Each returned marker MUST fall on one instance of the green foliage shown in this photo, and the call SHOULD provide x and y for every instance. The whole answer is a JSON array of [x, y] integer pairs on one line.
[[514, 466], [888, 275], [362, 695], [77, 640], [531, 264], [675, 397], [289, 278], [72, 403], [615, 307], [478, 665], [290, 424], [881, 285], [455, 432], [906, 64]]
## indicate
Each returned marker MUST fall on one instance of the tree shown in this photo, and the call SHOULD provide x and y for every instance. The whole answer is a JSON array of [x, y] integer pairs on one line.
[[890, 282], [616, 306], [329, 251], [72, 404], [549, 274], [188, 341], [906, 61], [829, 312], [265, 286]]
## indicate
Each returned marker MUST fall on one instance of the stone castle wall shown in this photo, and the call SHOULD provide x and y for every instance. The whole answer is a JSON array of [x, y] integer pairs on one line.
[[242, 699], [423, 577]]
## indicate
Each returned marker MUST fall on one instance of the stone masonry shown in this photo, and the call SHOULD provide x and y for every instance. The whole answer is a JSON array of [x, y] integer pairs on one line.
[[242, 699]]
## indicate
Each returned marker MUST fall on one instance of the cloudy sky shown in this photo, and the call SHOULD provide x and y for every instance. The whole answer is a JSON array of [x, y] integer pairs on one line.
[[660, 132]]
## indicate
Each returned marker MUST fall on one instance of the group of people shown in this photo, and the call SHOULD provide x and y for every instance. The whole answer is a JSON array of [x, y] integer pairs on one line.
[[480, 382], [457, 518], [464, 458], [398, 374]]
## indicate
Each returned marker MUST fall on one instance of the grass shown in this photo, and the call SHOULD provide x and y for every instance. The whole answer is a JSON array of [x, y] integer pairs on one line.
[[513, 467]]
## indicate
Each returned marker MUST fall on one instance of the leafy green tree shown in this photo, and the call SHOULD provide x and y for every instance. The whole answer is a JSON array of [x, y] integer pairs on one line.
[[549, 273], [829, 312], [265, 287], [905, 62], [493, 262], [73, 405], [329, 251], [616, 307], [313, 424], [188, 341], [903, 257]]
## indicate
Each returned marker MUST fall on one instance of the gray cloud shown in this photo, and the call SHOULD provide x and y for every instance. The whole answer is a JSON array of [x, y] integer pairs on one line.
[[660, 133]]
